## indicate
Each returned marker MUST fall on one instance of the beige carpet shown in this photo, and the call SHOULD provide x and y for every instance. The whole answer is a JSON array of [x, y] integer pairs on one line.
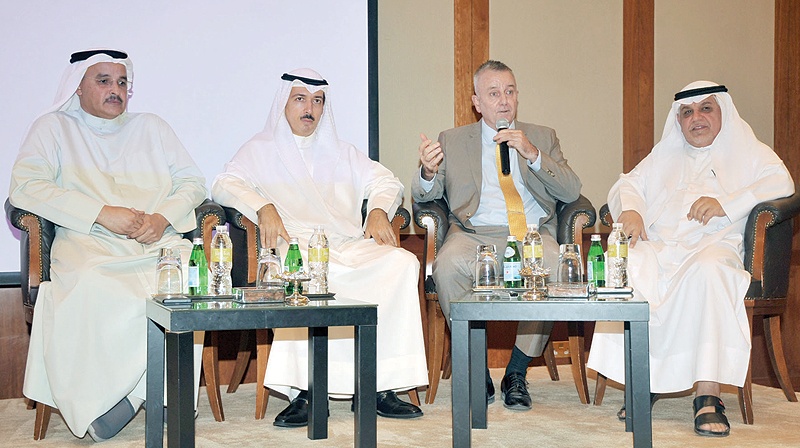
[[557, 420]]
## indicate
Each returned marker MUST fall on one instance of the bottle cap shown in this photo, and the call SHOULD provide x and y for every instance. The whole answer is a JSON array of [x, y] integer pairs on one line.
[[532, 227], [319, 228], [616, 225], [511, 238], [197, 241], [293, 240], [223, 229], [595, 237]]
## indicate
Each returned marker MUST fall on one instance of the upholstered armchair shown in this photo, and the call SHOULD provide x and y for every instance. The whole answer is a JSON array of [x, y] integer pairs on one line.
[[244, 235], [767, 256], [35, 243], [432, 216]]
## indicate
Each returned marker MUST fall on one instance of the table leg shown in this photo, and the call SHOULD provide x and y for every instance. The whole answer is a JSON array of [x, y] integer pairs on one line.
[[180, 393], [365, 400], [477, 374], [318, 383], [640, 384], [154, 406], [460, 342], [629, 411]]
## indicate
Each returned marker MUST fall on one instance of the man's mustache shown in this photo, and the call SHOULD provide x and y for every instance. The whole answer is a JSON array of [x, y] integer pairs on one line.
[[114, 97], [309, 116]]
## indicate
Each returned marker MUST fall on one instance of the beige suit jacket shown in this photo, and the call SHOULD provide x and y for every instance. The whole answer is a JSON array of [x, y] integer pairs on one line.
[[459, 178]]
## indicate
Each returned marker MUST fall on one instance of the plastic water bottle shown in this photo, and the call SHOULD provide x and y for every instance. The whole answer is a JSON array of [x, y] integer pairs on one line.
[[596, 263], [293, 263], [221, 262], [512, 263], [198, 270], [617, 260], [532, 248], [318, 259]]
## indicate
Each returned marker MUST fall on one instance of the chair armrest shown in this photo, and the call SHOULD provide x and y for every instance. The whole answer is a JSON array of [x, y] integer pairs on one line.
[[35, 242], [768, 246], [431, 216], [572, 218], [244, 236], [605, 216], [208, 214]]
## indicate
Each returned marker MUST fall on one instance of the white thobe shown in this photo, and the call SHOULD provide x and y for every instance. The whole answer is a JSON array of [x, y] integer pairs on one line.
[[692, 275], [88, 340], [360, 268]]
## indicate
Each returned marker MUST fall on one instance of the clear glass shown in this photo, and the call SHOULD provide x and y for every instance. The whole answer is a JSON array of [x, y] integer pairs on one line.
[[486, 266], [270, 269], [169, 277], [570, 265]]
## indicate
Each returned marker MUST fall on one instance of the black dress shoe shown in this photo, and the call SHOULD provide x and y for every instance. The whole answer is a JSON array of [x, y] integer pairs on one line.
[[514, 391], [296, 414], [392, 407], [489, 390]]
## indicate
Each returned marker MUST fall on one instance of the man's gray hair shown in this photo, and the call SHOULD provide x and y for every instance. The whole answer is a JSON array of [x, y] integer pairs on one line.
[[495, 66]]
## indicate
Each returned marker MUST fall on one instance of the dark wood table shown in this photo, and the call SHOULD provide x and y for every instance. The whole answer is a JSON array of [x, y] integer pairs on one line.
[[468, 317], [176, 324]]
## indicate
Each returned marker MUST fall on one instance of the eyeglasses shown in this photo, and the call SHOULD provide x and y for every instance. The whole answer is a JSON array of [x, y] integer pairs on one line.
[[106, 82]]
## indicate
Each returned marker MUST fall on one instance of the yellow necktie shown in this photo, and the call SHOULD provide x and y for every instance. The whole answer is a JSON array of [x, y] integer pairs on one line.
[[516, 212]]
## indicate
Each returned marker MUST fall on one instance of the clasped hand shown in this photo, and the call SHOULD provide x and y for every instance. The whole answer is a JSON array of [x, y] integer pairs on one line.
[[135, 224], [702, 210]]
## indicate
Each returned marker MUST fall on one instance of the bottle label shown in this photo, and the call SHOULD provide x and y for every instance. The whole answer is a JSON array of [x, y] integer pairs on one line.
[[612, 251], [224, 255], [538, 251], [318, 254], [194, 276], [589, 271], [623, 250], [509, 252], [527, 251], [511, 271]]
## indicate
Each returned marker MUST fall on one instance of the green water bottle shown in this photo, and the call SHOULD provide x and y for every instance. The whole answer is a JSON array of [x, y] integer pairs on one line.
[[596, 263], [198, 270], [512, 263], [293, 263]]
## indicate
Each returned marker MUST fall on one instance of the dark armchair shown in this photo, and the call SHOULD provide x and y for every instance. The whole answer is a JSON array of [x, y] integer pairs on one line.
[[767, 256], [432, 216], [35, 243], [244, 235]]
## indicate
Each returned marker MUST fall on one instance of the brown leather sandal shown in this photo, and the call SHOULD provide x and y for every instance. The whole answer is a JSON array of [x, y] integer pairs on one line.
[[718, 416]]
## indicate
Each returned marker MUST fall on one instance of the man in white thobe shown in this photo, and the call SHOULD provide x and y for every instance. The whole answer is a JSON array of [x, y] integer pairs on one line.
[[295, 175], [119, 186], [685, 207]]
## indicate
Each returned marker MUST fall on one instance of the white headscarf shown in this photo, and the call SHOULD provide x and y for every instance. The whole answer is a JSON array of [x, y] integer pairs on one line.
[[732, 150], [66, 98]]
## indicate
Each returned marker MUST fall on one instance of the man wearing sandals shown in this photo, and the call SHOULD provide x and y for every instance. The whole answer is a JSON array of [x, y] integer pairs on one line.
[[685, 206]]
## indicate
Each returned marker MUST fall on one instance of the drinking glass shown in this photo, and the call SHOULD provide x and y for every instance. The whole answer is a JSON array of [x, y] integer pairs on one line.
[[486, 267], [169, 279], [270, 269], [570, 266]]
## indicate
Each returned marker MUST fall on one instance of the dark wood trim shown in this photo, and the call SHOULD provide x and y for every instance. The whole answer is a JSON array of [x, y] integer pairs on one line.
[[471, 49], [372, 80], [637, 81]]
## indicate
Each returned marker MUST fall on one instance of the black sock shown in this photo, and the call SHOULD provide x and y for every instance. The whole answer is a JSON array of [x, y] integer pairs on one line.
[[519, 362]]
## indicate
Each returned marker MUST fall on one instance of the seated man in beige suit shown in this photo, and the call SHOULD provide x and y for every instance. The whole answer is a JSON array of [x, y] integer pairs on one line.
[[462, 166]]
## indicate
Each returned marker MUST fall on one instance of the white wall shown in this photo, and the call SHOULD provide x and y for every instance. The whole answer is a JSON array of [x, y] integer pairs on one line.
[[209, 68]]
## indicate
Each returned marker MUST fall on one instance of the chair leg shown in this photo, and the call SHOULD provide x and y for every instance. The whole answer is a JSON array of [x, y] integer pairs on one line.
[[550, 360], [447, 365], [772, 333], [746, 391], [414, 397], [263, 346], [242, 359], [43, 412], [211, 373], [436, 335], [600, 389], [578, 355]]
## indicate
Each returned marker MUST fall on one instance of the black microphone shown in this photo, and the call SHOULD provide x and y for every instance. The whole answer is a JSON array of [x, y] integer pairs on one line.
[[505, 167]]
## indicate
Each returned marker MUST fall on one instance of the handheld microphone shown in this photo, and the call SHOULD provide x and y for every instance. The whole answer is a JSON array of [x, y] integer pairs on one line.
[[505, 166]]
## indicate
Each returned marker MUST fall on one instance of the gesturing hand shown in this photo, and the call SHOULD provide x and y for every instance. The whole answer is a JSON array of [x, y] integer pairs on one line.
[[270, 226], [430, 156]]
